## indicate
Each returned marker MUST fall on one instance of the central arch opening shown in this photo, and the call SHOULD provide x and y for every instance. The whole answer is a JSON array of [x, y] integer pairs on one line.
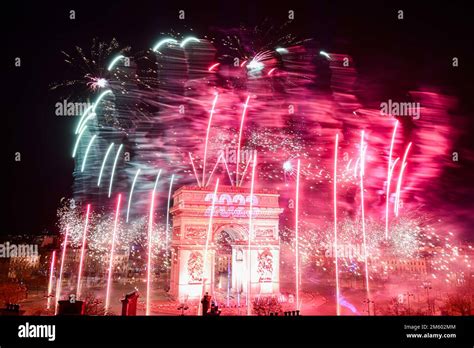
[[223, 264], [228, 272]]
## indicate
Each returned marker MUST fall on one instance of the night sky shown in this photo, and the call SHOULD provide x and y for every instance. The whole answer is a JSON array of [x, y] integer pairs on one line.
[[398, 54]]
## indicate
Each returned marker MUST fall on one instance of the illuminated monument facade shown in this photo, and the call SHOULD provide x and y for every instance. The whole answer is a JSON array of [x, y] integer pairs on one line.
[[229, 262]]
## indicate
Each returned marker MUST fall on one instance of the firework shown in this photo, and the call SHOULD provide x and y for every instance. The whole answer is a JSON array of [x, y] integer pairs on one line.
[[207, 138], [338, 310], [389, 176], [168, 211], [249, 271], [400, 177], [363, 149], [131, 193], [297, 249], [240, 140], [175, 107], [208, 237], [150, 244], [61, 269], [83, 252], [111, 257], [50, 283]]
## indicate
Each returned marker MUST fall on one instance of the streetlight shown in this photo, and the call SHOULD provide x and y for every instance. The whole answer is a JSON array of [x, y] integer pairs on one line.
[[369, 301], [408, 301], [427, 286]]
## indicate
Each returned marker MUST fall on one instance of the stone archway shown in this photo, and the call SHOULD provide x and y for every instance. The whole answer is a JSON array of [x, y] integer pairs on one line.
[[191, 210], [228, 243]]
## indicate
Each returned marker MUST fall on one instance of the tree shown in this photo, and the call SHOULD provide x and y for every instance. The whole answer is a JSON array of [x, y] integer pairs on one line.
[[21, 268], [266, 305], [41, 310], [459, 304], [12, 292], [393, 307], [94, 305]]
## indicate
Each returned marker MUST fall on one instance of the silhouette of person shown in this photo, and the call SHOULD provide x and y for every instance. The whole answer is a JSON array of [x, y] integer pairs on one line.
[[206, 300]]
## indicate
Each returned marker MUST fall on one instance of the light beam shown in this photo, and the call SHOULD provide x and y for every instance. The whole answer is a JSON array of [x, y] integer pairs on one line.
[[400, 178], [240, 139], [83, 250], [131, 193], [111, 259], [338, 306], [297, 248], [389, 177], [208, 237], [207, 138], [363, 149], [50, 285], [249, 258], [113, 169], [150, 241], [103, 163], [87, 153]]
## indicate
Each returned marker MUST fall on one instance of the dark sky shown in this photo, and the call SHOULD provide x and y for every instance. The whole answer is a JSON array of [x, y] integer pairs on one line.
[[420, 48]]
